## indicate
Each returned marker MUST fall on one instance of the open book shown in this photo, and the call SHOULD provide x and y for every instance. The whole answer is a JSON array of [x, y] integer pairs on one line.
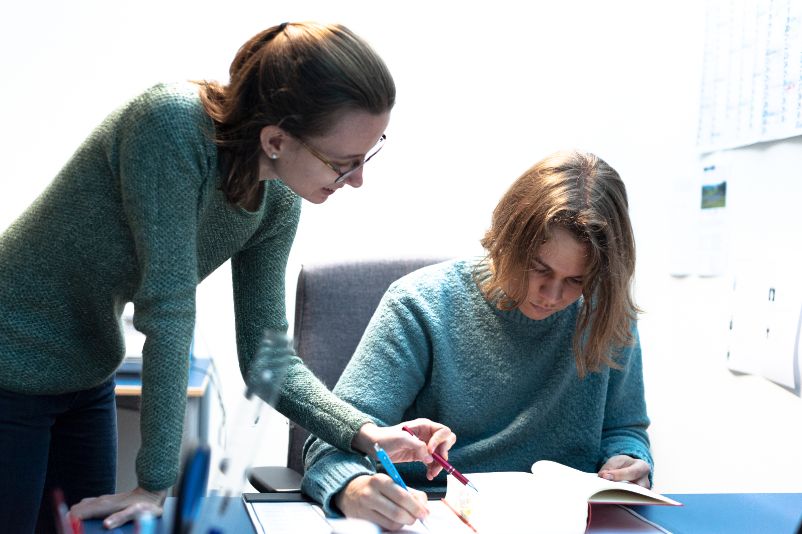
[[553, 499]]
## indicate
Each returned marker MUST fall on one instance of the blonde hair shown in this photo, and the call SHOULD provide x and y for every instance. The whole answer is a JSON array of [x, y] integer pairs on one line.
[[300, 76], [582, 194]]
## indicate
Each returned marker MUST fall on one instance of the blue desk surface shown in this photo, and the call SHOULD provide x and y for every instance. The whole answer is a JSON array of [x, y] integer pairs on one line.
[[718, 513], [234, 520], [747, 513]]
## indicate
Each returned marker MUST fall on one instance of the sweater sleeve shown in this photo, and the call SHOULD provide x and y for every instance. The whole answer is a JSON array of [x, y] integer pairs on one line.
[[259, 295], [625, 419], [382, 379], [161, 168]]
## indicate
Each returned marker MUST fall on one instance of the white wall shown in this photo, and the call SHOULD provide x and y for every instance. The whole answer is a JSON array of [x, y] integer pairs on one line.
[[484, 90]]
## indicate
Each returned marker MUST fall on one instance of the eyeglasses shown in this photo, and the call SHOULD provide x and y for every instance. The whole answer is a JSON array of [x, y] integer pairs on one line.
[[342, 176]]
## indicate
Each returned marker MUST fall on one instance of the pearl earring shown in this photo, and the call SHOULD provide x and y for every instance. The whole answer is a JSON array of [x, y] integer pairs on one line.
[[273, 156]]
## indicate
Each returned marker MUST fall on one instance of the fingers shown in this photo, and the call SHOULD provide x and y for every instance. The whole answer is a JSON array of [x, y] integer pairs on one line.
[[437, 436], [618, 475], [399, 503], [438, 439], [414, 440], [432, 470], [119, 508], [400, 446], [421, 451], [423, 502], [442, 441], [625, 468], [130, 513], [92, 507], [401, 507], [618, 461], [378, 499]]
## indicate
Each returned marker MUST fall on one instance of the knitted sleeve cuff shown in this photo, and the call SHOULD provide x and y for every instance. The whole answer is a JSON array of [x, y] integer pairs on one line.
[[330, 475]]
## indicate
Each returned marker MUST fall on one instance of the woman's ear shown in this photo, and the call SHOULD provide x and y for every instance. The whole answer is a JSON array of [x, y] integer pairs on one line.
[[272, 139]]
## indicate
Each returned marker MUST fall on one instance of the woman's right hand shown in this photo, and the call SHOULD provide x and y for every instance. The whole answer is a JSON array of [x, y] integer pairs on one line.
[[380, 500]]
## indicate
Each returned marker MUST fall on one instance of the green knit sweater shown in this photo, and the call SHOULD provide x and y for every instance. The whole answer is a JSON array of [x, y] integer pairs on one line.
[[137, 215], [505, 384]]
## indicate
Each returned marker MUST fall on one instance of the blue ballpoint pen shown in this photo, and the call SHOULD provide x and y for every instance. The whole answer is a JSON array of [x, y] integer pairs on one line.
[[392, 471]]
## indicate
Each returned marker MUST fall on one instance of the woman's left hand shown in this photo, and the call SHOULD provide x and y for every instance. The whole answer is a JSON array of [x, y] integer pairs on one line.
[[120, 508], [626, 468], [403, 447]]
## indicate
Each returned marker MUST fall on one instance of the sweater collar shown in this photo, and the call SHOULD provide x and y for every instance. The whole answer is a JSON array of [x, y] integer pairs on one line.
[[515, 315]]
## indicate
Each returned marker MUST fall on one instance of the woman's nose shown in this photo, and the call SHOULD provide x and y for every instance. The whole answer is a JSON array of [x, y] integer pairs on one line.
[[355, 178], [551, 291]]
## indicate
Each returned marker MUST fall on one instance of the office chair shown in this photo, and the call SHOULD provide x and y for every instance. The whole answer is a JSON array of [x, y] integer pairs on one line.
[[333, 304]]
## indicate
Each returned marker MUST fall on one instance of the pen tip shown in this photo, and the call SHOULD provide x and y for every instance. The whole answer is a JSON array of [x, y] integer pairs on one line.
[[473, 487]]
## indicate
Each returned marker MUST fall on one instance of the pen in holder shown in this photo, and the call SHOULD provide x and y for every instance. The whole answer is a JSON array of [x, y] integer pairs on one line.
[[61, 513], [191, 489], [264, 379]]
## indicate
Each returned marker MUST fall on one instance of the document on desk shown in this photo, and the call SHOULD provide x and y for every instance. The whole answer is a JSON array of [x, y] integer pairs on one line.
[[552, 499], [441, 519], [293, 514], [286, 517]]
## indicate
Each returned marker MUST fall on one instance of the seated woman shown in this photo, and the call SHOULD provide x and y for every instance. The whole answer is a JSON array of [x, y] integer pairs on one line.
[[530, 353]]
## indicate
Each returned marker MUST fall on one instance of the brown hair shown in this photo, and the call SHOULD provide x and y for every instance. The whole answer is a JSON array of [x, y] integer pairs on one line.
[[584, 195], [299, 76]]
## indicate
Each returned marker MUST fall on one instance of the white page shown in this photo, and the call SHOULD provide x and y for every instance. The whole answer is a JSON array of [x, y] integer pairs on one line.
[[552, 499], [592, 488], [514, 502], [294, 517], [441, 520], [287, 518]]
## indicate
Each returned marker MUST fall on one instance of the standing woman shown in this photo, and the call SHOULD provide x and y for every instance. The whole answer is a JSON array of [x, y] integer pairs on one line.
[[170, 186]]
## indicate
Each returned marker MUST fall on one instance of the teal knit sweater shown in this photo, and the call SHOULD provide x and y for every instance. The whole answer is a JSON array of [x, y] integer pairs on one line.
[[137, 215], [506, 385]]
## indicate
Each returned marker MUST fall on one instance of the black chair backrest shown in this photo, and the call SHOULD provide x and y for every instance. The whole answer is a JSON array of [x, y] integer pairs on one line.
[[333, 304]]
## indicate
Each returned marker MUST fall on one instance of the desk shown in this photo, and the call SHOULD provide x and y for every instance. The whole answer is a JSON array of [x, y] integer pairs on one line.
[[128, 385], [234, 521], [747, 513], [715, 513], [196, 421]]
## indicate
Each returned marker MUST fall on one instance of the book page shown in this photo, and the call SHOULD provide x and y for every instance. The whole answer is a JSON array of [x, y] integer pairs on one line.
[[591, 488], [514, 502], [441, 519], [552, 499]]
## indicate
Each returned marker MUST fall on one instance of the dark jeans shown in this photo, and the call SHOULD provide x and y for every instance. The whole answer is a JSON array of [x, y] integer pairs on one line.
[[66, 441]]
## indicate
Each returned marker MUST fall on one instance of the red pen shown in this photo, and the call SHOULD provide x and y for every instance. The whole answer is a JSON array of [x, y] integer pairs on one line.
[[450, 469]]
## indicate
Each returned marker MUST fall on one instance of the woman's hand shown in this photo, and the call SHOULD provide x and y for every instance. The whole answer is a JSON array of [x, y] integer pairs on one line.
[[626, 468], [403, 447], [120, 508], [380, 500]]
